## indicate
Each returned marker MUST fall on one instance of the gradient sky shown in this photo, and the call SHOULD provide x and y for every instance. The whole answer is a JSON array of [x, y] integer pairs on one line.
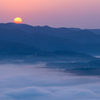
[[55, 13]]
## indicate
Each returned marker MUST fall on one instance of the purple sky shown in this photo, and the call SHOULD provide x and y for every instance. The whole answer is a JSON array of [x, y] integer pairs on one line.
[[55, 13]]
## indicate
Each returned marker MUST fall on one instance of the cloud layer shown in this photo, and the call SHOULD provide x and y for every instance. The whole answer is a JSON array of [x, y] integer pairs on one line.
[[26, 82]]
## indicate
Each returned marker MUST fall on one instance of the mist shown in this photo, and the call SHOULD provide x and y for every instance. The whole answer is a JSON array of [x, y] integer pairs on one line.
[[33, 82]]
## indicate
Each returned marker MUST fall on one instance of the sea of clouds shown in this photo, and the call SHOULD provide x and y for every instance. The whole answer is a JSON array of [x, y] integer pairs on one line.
[[27, 82]]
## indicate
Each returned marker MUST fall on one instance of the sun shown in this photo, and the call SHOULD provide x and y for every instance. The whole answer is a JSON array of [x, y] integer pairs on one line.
[[18, 20]]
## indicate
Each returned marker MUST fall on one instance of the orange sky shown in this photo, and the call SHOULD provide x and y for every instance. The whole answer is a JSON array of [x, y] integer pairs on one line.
[[56, 13]]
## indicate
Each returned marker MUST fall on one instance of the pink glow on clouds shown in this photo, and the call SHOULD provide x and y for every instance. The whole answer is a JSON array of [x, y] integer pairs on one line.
[[56, 13]]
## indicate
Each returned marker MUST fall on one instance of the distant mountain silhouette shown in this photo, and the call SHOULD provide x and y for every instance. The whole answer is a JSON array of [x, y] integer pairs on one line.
[[84, 36], [46, 38], [96, 31]]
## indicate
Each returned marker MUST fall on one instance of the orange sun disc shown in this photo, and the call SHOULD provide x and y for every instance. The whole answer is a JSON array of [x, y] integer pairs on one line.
[[18, 20]]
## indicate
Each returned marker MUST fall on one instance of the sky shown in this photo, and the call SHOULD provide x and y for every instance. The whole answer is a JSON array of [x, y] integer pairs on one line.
[[54, 13], [26, 82]]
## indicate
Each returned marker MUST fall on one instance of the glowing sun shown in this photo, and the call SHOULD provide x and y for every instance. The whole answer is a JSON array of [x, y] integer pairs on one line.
[[18, 20]]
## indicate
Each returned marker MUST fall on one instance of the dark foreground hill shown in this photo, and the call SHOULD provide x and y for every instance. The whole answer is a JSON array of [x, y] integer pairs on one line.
[[14, 48], [7, 48]]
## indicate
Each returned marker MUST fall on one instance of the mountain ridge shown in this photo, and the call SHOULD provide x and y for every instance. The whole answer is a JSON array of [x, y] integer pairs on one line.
[[47, 38]]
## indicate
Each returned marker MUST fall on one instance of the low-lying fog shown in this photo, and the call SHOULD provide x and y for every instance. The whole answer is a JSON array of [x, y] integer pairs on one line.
[[31, 82]]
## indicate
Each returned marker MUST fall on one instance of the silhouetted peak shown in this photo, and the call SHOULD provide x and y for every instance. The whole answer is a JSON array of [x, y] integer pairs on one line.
[[46, 26], [75, 29]]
